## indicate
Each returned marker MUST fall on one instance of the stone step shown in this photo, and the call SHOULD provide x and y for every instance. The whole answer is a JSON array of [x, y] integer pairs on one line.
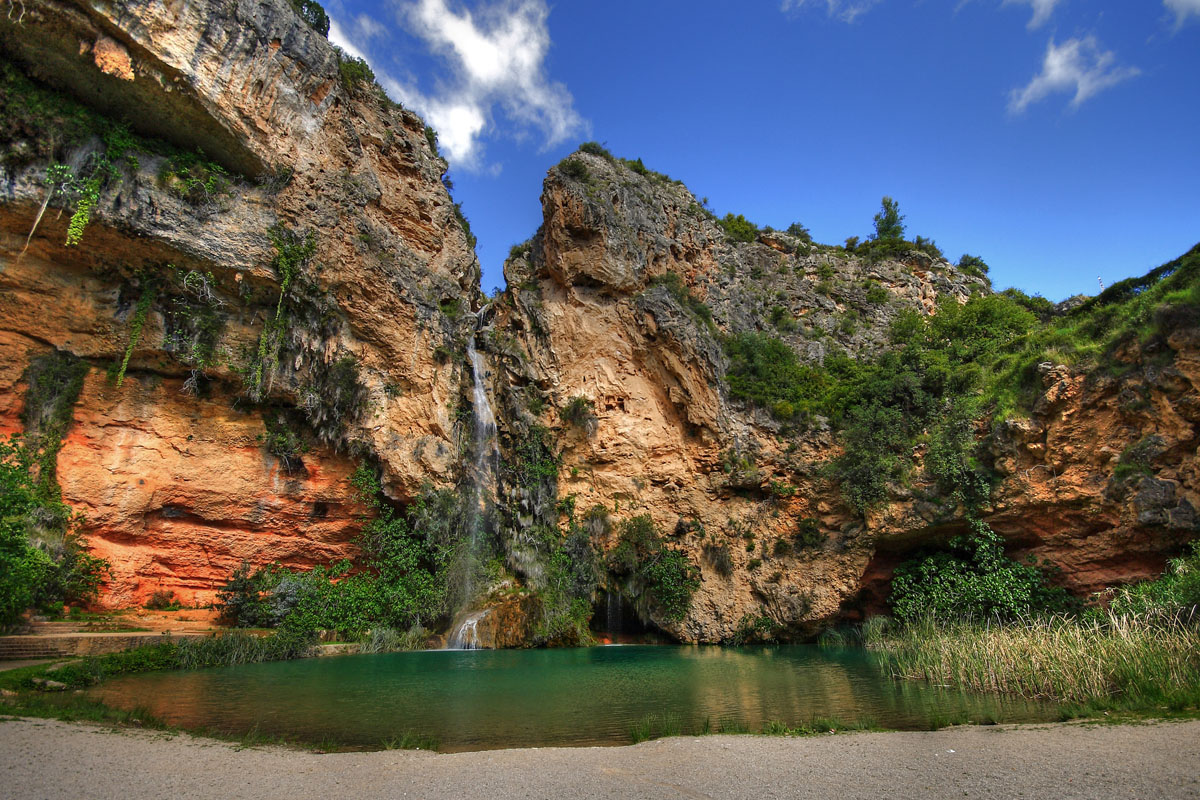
[[81, 644]]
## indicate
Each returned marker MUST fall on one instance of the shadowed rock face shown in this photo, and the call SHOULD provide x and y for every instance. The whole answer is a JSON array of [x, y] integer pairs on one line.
[[179, 487]]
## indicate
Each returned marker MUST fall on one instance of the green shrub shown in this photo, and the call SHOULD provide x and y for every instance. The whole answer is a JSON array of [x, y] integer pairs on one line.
[[1175, 593], [355, 72], [596, 149], [972, 265], [663, 577], [877, 295], [580, 412], [192, 177], [163, 600], [465, 224], [972, 579], [575, 169], [313, 14], [738, 228], [809, 533], [764, 371], [800, 232]]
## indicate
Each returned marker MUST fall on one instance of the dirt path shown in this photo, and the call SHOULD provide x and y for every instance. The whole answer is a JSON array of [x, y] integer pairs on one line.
[[48, 759]]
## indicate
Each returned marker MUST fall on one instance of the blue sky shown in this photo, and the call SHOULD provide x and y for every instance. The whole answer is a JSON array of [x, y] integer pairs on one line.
[[1057, 139]]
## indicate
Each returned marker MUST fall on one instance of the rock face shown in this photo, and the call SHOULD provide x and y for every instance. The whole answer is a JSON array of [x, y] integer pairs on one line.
[[594, 311], [178, 488], [296, 299]]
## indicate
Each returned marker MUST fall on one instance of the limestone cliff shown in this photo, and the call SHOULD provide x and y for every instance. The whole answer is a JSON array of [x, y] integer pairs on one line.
[[621, 297], [178, 487], [212, 205]]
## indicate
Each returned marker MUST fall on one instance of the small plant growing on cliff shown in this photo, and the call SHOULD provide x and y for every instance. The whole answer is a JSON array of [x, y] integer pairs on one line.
[[720, 558], [809, 533], [575, 169], [738, 228], [293, 251], [355, 72], [136, 323], [1138, 458], [682, 294], [163, 600], [596, 149], [333, 396], [877, 295], [193, 178], [580, 412]]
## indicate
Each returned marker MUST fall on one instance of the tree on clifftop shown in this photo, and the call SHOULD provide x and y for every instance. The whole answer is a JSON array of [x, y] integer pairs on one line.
[[889, 222]]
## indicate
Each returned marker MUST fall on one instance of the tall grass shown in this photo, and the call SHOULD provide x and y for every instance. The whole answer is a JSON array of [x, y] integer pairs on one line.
[[1101, 660], [227, 649], [390, 640]]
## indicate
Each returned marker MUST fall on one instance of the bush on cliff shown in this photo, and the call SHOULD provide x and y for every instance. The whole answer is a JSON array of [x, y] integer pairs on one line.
[[658, 577], [972, 579], [43, 564], [401, 581]]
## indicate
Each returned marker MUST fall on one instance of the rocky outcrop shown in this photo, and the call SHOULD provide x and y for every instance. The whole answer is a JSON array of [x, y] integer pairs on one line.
[[621, 299], [178, 487], [280, 288]]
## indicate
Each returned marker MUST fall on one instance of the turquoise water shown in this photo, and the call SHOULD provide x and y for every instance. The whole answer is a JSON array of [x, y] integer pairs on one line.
[[487, 699]]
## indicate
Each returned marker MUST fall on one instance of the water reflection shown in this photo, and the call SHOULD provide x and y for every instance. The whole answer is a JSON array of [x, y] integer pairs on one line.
[[474, 700]]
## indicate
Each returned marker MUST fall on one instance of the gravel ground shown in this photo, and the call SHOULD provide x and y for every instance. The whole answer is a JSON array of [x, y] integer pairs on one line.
[[50, 759]]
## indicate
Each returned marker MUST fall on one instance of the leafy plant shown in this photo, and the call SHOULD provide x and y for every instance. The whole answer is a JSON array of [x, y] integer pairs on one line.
[[192, 177], [313, 14], [972, 579], [136, 323], [738, 228], [663, 577], [580, 411]]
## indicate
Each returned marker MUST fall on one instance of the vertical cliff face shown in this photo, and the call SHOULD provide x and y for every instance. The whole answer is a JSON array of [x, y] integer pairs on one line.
[[622, 299], [288, 296], [246, 255]]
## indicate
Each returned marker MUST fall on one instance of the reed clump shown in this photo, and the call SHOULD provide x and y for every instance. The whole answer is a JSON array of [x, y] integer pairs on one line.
[[1103, 659]]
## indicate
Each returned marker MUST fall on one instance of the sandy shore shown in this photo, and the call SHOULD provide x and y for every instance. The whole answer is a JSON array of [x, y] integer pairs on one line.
[[50, 759]]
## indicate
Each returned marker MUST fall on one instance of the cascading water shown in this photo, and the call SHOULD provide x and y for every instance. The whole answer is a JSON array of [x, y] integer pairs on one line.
[[466, 635], [485, 469]]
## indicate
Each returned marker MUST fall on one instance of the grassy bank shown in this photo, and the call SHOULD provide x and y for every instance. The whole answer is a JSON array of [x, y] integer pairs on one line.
[[1102, 661]]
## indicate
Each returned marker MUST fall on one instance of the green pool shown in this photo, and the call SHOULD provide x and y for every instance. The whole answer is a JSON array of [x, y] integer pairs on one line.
[[484, 699]]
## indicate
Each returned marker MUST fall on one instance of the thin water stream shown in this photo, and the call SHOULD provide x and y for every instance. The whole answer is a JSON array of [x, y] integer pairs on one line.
[[487, 699]]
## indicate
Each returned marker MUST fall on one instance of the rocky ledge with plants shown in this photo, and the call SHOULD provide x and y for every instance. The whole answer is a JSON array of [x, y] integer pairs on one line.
[[235, 346]]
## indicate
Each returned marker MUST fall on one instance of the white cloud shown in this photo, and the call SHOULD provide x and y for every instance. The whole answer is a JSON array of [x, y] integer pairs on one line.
[[845, 10], [1042, 9], [338, 37], [1077, 65], [1183, 9], [496, 58]]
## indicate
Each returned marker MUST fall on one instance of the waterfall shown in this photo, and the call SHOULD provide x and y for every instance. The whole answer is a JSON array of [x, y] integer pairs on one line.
[[484, 476], [466, 635], [613, 613]]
